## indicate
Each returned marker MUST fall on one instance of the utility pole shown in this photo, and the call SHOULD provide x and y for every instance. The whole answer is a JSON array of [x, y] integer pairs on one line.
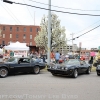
[[72, 44], [49, 31]]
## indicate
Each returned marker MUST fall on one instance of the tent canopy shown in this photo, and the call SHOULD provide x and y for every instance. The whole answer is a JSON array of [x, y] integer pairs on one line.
[[16, 46]]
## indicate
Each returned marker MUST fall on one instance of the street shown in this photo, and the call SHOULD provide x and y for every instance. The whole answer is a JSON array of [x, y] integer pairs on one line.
[[44, 86]]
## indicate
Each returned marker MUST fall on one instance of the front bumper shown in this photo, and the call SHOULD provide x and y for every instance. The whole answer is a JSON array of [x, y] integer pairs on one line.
[[68, 72]]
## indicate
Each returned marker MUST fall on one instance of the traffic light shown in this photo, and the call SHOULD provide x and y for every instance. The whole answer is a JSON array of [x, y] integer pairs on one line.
[[7, 1]]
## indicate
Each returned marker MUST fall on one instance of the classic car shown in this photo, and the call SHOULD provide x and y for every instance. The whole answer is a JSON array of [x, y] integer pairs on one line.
[[72, 67], [97, 65], [21, 65], [98, 69]]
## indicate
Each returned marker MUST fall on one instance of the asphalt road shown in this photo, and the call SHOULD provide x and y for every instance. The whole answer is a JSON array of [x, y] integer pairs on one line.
[[44, 86]]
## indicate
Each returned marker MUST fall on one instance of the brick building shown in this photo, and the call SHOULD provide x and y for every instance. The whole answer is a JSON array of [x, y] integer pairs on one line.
[[21, 33]]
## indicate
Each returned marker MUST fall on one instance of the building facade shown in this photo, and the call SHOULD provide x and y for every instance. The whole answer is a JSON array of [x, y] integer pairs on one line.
[[21, 33]]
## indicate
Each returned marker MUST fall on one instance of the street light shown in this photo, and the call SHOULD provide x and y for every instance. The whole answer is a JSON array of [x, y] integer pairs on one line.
[[7, 1]]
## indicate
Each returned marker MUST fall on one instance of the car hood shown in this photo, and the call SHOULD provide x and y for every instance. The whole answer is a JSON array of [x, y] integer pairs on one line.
[[61, 65]]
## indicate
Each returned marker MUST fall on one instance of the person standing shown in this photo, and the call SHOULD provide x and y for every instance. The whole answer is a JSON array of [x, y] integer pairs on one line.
[[52, 56], [57, 57]]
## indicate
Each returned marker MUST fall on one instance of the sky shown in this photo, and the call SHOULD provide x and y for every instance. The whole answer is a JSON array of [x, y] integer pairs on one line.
[[74, 24]]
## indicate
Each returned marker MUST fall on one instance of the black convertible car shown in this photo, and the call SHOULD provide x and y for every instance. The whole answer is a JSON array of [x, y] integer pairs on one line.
[[72, 67], [21, 65]]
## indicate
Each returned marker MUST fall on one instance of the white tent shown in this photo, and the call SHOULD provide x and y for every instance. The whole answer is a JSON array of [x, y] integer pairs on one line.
[[16, 46]]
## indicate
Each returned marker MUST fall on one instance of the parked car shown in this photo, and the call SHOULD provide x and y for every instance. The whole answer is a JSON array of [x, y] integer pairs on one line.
[[97, 65], [72, 67], [21, 65], [98, 69]]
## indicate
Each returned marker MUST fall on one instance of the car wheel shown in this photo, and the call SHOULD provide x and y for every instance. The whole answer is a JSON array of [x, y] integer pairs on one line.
[[88, 71], [54, 74], [36, 70], [98, 74], [3, 72], [75, 74]]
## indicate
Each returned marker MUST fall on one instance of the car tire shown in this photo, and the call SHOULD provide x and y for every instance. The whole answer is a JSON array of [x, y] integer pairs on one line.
[[3, 72], [98, 73], [75, 73], [36, 70], [88, 71], [54, 74]]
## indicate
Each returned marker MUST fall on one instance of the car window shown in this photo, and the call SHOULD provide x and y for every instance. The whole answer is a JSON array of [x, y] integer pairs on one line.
[[11, 60], [24, 60]]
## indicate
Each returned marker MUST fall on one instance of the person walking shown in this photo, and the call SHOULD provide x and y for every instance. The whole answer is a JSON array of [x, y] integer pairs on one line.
[[57, 57]]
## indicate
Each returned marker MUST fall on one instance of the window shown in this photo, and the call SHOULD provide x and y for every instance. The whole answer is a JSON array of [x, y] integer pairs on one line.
[[3, 42], [10, 35], [30, 36], [24, 36], [30, 43], [4, 28], [23, 41], [17, 28], [3, 36], [37, 30], [30, 29], [24, 29], [10, 28], [17, 36]]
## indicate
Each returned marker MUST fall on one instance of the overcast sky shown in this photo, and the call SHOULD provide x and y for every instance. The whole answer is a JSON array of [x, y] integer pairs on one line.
[[77, 24]]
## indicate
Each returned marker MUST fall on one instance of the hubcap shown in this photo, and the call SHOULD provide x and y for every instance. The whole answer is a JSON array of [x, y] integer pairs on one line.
[[75, 73], [3, 72], [36, 69], [89, 70]]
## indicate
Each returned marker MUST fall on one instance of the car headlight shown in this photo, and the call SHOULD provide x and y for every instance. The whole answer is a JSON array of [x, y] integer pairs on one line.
[[66, 68], [50, 67], [98, 67]]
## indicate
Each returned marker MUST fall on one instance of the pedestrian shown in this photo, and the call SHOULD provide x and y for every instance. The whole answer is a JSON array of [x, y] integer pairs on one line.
[[52, 55], [57, 57]]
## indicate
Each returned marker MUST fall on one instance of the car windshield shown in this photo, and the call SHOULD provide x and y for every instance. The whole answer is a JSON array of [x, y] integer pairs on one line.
[[72, 61]]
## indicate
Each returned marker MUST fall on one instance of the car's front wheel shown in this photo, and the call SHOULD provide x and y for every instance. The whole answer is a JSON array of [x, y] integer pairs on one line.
[[88, 71], [3, 72], [54, 74], [36, 70], [75, 73], [98, 73]]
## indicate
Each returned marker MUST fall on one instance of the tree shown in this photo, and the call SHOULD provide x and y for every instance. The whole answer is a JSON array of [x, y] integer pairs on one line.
[[58, 36]]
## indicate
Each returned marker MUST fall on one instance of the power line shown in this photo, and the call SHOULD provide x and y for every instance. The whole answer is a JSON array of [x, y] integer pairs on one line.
[[85, 33], [62, 7], [10, 14], [29, 11], [52, 10], [88, 27]]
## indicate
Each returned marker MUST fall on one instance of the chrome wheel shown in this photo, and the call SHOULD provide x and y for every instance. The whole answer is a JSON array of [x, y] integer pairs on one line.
[[88, 70], [75, 74], [3, 72], [36, 70]]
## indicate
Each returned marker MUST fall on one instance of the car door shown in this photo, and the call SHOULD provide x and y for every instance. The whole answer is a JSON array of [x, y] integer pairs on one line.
[[83, 66], [24, 65]]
